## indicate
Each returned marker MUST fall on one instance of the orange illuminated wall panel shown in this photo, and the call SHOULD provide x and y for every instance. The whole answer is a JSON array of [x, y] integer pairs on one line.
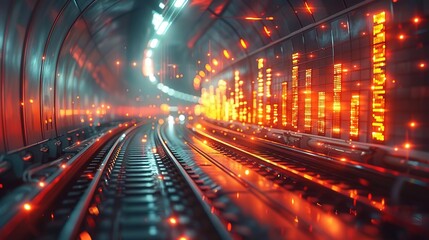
[[321, 113], [336, 121], [284, 103], [254, 106], [275, 113], [294, 120], [222, 86], [212, 103], [268, 109], [260, 91], [236, 95], [242, 102], [307, 101], [379, 77], [354, 116]]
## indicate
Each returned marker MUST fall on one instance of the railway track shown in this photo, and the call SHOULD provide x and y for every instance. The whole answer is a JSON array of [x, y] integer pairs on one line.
[[385, 199], [167, 182], [133, 187]]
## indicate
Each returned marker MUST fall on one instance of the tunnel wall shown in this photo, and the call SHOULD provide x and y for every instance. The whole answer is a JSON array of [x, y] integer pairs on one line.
[[52, 74], [339, 48]]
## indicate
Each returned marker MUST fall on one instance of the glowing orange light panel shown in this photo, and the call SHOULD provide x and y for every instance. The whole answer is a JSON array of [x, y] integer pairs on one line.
[[354, 116], [294, 120], [337, 98], [284, 103], [321, 113], [307, 101], [379, 77]]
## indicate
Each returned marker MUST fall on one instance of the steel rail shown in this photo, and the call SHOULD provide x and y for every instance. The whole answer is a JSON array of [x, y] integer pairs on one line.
[[72, 227], [389, 212], [17, 221], [214, 220], [275, 205]]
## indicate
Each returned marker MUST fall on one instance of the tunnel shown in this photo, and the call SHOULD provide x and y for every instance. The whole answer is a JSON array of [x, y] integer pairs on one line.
[[210, 119]]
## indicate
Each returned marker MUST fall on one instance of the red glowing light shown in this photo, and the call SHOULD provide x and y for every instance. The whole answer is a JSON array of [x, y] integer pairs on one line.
[[308, 7], [416, 20], [267, 31], [117, 62], [259, 18], [226, 54], [172, 221], [412, 124], [42, 184], [401, 37], [422, 65], [229, 227], [243, 43], [27, 207], [407, 146], [63, 165], [253, 18], [85, 236], [215, 62]]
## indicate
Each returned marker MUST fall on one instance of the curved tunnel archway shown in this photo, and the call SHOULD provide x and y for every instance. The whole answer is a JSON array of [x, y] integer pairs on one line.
[[64, 59]]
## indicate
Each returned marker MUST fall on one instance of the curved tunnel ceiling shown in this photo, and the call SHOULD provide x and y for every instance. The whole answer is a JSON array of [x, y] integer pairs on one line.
[[210, 26], [62, 58]]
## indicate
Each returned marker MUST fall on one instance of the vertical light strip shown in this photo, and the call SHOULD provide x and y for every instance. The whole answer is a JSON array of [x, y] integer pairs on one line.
[[294, 120], [321, 113], [205, 102], [218, 108], [237, 104], [379, 77], [222, 86], [307, 101], [284, 103], [275, 113], [260, 90], [212, 103], [242, 104], [354, 116], [254, 106], [336, 121], [268, 96]]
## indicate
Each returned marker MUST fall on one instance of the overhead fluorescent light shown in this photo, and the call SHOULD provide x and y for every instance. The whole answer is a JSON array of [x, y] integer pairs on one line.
[[162, 28], [153, 43], [157, 20], [149, 53], [179, 3]]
